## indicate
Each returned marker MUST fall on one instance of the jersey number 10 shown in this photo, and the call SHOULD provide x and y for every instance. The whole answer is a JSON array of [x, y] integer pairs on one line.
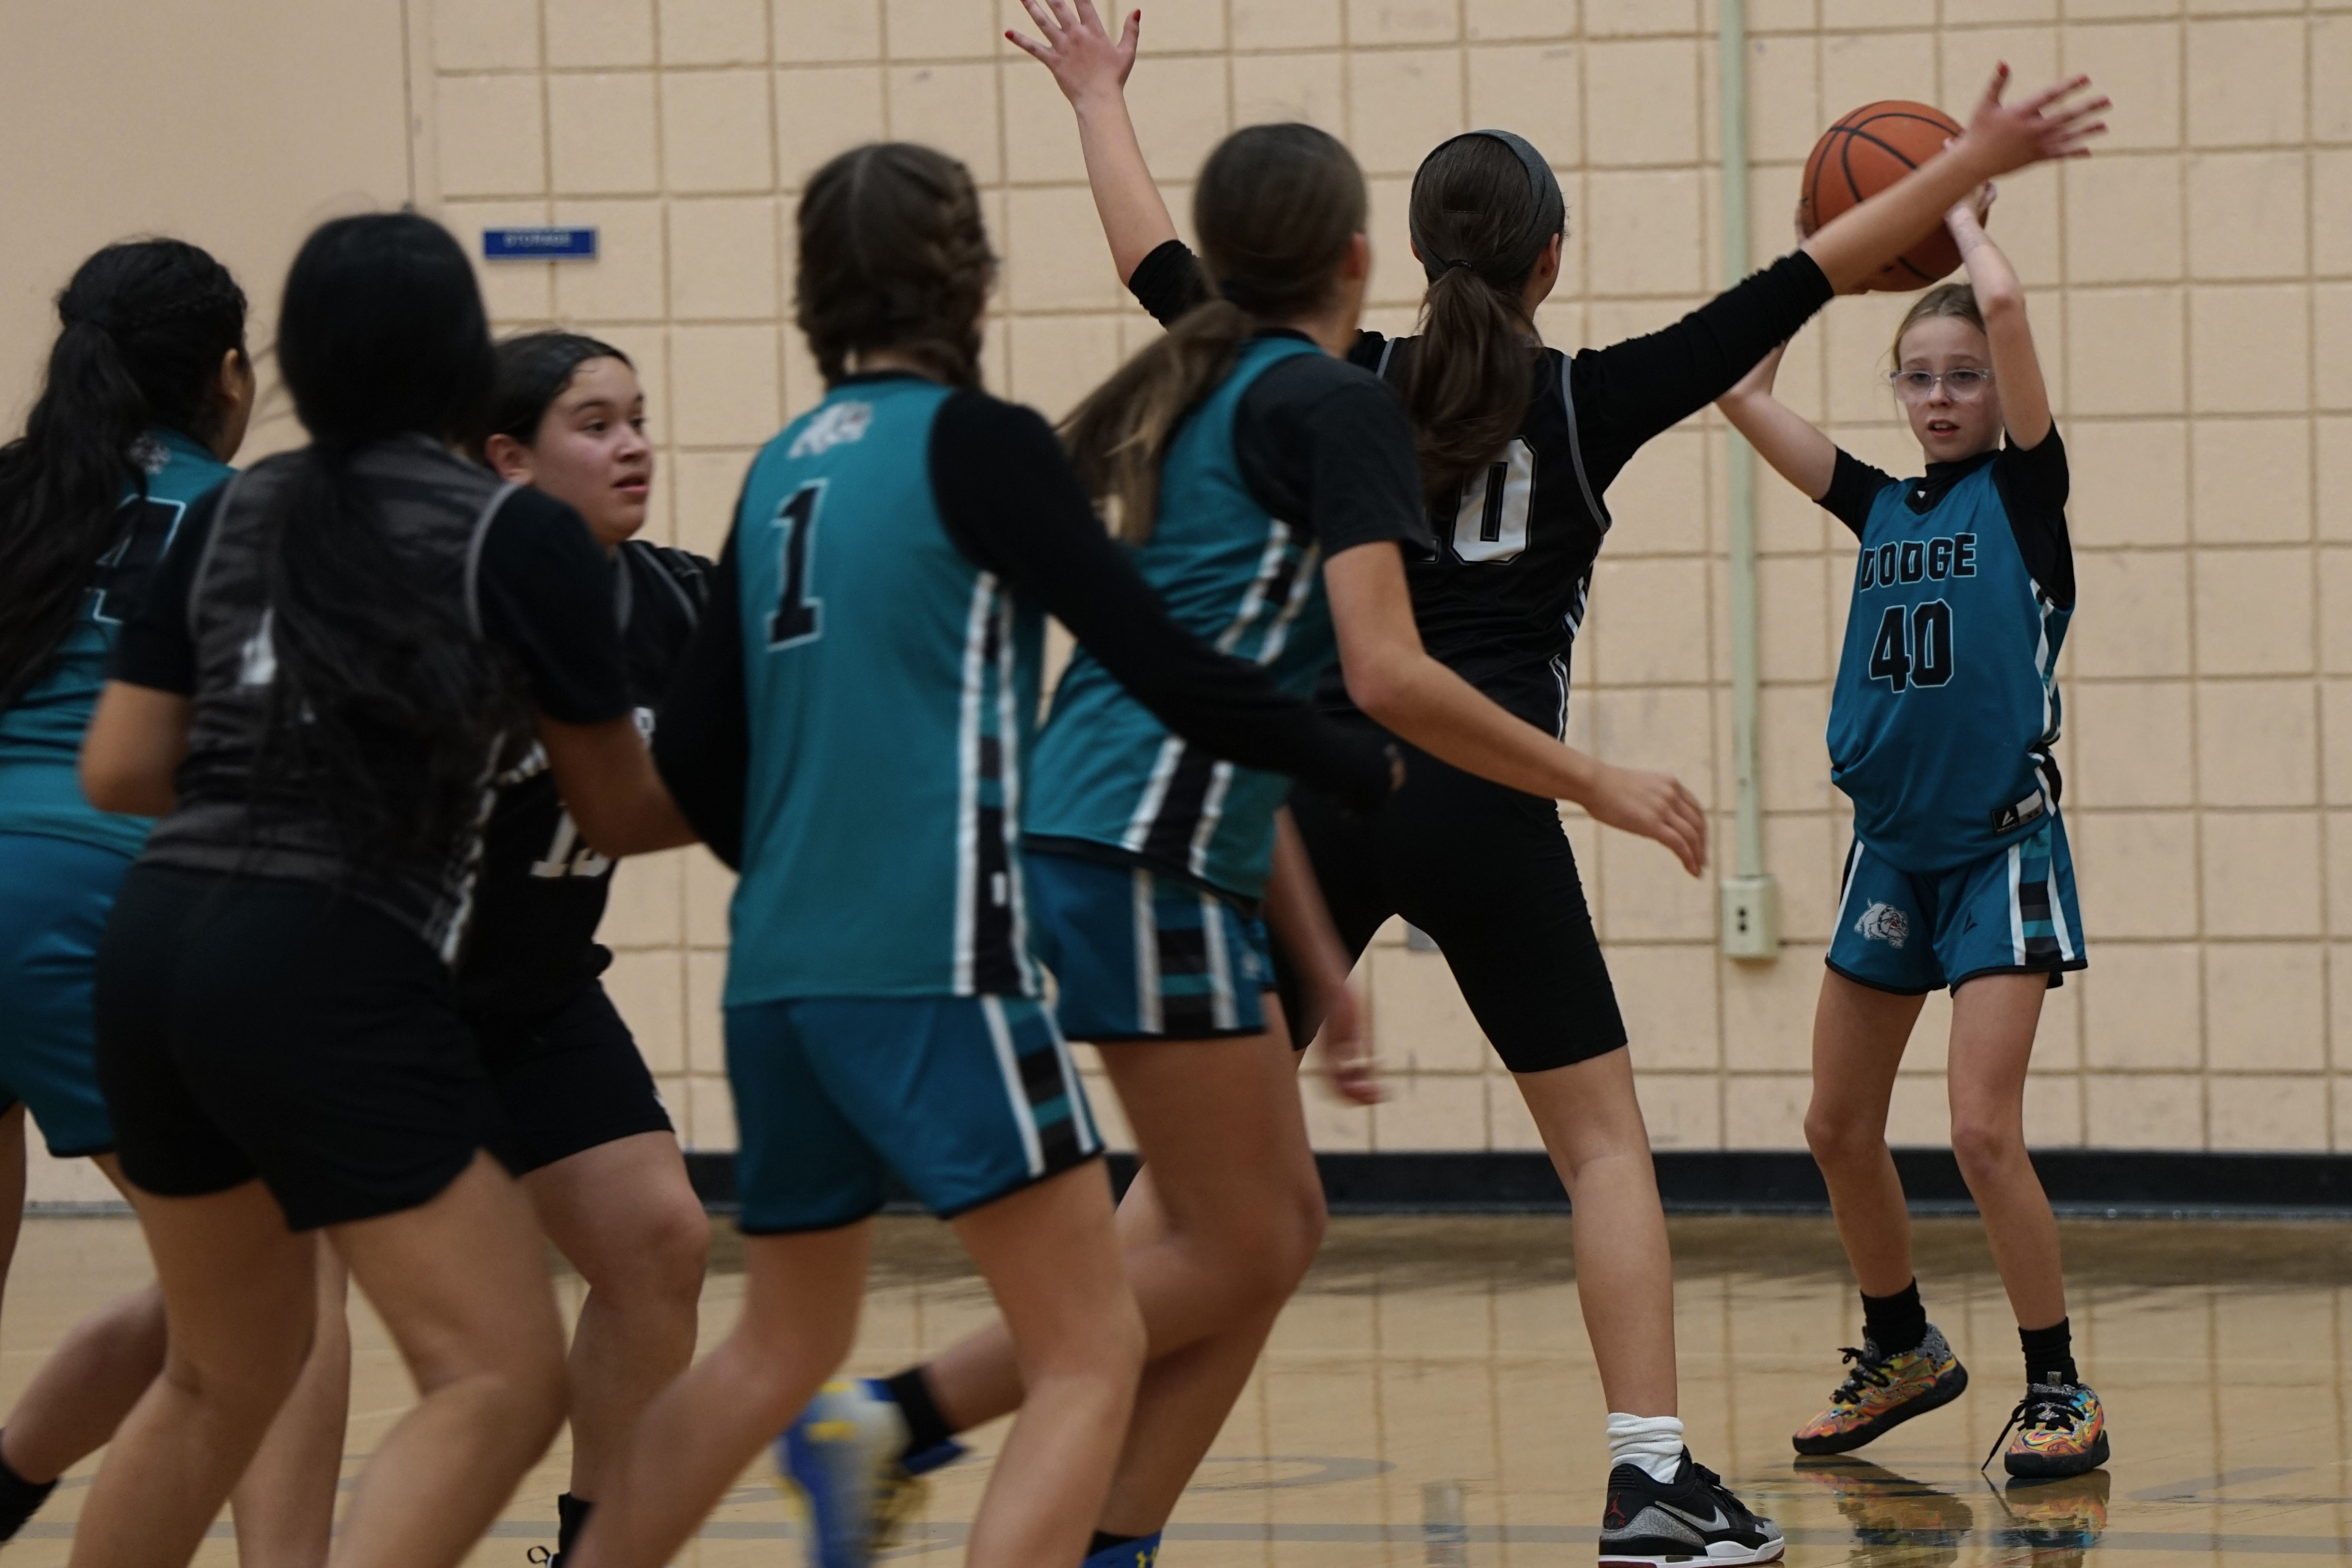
[[797, 618], [1914, 647], [1492, 524]]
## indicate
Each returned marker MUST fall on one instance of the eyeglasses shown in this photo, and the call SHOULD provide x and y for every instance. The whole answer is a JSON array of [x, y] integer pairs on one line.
[[1963, 386]]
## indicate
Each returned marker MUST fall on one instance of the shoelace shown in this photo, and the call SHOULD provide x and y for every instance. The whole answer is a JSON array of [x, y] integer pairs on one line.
[[2045, 1405], [1868, 1373]]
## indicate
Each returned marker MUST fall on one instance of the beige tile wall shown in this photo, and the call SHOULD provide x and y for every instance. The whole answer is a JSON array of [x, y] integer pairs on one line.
[[2193, 294]]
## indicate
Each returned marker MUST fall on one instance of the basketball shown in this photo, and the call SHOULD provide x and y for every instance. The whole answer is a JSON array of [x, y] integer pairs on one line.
[[1863, 153]]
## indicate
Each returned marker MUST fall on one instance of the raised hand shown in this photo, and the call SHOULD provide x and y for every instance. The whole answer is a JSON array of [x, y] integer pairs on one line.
[[1654, 805], [2047, 124], [1077, 48]]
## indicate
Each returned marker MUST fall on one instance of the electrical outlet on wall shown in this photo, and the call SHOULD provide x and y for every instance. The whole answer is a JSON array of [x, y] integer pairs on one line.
[[1751, 918]]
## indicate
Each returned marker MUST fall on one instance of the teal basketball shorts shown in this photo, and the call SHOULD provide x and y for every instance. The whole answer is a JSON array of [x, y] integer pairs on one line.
[[1139, 956], [966, 1098], [2012, 912]]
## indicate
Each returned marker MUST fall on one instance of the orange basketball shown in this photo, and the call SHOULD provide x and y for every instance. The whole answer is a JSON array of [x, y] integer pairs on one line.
[[1863, 155]]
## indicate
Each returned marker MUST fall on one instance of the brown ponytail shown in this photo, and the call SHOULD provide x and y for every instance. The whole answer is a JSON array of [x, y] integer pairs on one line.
[[1276, 209], [1485, 206], [893, 255]]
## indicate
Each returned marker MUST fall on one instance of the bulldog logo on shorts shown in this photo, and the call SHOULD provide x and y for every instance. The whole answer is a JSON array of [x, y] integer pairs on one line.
[[1884, 922]]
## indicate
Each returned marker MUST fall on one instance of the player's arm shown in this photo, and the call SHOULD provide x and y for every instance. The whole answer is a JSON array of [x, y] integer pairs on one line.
[[1301, 922], [2000, 138], [135, 742], [1091, 68], [2016, 368], [1798, 452]]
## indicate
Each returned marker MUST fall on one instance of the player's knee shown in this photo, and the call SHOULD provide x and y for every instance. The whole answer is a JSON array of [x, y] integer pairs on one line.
[[1838, 1138], [666, 1256], [1286, 1240], [1985, 1144]]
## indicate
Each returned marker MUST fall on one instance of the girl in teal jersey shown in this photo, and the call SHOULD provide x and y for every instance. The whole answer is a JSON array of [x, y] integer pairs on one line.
[[1941, 730], [146, 399]]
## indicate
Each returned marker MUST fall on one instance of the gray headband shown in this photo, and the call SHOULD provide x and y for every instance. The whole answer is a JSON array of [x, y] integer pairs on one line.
[[1550, 217]]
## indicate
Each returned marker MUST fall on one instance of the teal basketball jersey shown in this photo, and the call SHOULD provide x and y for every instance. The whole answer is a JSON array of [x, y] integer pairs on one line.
[[1947, 700], [40, 733], [1110, 775], [891, 687]]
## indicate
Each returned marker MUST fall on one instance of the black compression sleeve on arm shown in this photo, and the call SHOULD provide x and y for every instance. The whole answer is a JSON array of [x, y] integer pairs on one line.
[[1168, 281], [1630, 392], [545, 593], [1012, 504], [156, 647], [702, 741], [2034, 484], [1853, 490]]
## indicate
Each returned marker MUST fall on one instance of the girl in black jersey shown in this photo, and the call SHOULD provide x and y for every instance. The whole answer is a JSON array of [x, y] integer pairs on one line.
[[585, 1133], [345, 646], [1516, 458]]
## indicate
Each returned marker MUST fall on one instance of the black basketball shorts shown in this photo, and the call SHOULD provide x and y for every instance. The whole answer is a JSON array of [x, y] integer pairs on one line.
[[251, 1026], [1489, 874], [567, 1080]]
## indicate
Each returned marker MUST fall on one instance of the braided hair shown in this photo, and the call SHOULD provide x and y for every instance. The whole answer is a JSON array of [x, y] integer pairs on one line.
[[145, 328], [894, 255]]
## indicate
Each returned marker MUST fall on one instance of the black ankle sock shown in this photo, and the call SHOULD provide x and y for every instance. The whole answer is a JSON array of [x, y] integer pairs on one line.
[[19, 1500], [1894, 1323], [926, 1427], [571, 1519], [1104, 1541], [2049, 1353]]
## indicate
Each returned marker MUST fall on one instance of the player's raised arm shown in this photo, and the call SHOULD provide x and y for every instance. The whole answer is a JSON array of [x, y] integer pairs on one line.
[[1798, 452], [2000, 137], [2016, 368], [1091, 68]]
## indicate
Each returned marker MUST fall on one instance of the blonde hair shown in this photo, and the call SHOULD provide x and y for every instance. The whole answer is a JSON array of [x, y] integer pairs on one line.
[[1957, 301]]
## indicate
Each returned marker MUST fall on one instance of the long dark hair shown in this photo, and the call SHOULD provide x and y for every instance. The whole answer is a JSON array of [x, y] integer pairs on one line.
[[534, 370], [1484, 205], [893, 255], [1276, 209], [147, 326], [387, 706]]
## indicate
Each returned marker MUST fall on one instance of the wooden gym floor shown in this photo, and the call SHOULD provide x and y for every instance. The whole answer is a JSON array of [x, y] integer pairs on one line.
[[1429, 1399]]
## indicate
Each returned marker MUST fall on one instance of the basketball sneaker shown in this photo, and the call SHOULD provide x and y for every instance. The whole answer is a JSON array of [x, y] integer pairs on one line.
[[2060, 1429], [1883, 1392], [1895, 1519], [845, 1460], [2054, 1524], [1693, 1517]]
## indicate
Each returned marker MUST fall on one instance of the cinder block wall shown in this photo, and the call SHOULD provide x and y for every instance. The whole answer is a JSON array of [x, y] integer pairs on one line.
[[2192, 290]]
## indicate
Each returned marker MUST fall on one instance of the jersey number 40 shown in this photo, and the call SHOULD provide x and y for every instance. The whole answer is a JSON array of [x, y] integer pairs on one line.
[[1914, 645]]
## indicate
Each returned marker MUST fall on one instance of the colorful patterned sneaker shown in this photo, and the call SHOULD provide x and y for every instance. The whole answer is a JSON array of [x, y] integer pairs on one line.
[[1895, 1519], [843, 1459], [2061, 1431], [1692, 1520], [2053, 1524], [1883, 1392]]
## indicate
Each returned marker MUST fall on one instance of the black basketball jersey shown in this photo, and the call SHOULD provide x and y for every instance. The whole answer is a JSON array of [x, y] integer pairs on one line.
[[1503, 594], [542, 891]]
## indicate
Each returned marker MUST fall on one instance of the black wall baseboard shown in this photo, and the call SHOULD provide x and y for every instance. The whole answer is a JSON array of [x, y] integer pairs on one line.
[[2081, 1182]]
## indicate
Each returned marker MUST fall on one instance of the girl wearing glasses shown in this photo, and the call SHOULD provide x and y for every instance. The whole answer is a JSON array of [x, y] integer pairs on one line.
[[1940, 732]]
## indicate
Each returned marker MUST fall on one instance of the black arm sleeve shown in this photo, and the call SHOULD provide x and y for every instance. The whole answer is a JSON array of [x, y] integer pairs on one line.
[[1169, 282], [156, 647], [1327, 442], [1630, 392], [2034, 485], [544, 592], [1853, 490], [702, 746], [1012, 504]]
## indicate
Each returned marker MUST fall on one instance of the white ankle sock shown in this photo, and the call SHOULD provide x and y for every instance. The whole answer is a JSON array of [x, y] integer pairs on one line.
[[1651, 1444]]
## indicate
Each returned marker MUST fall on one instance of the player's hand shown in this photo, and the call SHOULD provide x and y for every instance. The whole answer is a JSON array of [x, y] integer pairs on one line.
[[1346, 1047], [1654, 805], [1077, 48], [2052, 123], [1967, 218]]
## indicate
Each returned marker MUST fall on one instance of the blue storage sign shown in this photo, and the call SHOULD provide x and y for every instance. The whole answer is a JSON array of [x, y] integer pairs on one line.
[[539, 244]]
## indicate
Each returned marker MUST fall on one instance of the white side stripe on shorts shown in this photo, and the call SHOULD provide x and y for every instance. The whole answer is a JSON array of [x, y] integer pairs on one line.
[[1222, 1010], [1147, 955], [1016, 1097], [2016, 905], [1080, 1117]]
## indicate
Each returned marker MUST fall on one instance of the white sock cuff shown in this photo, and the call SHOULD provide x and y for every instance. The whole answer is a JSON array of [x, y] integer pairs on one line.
[[1652, 1444]]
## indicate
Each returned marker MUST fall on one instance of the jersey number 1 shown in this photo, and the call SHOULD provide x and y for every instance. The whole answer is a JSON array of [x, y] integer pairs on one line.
[[797, 618], [1492, 524], [1913, 648]]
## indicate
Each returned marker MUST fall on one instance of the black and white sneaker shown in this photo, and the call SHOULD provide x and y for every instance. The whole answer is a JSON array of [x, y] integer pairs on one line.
[[1692, 1520]]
